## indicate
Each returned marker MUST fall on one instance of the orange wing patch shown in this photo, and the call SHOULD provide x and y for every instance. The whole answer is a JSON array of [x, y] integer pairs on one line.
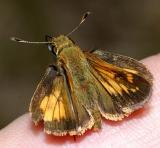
[[125, 87], [53, 103], [111, 81], [52, 106]]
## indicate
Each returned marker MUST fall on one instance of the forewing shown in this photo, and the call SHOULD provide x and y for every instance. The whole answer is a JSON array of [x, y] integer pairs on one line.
[[127, 83], [52, 103], [44, 88], [124, 62]]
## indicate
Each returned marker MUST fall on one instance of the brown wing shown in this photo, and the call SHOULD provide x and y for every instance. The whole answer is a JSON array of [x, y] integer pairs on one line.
[[52, 103], [127, 83]]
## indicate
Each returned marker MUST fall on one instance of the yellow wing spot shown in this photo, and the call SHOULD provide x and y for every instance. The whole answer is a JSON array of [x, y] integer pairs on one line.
[[44, 103], [115, 86], [137, 88], [62, 110], [110, 74], [56, 114], [124, 88], [130, 70], [133, 90], [57, 93], [50, 107], [109, 88], [130, 77], [59, 112]]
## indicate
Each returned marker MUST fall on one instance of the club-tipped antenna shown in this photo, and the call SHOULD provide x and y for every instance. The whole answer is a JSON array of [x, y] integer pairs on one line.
[[85, 15], [28, 42]]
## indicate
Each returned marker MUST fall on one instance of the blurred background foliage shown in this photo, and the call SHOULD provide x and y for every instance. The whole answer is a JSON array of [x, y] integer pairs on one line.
[[130, 27]]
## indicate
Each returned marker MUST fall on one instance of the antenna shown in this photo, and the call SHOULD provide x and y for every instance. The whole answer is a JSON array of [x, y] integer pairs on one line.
[[85, 15], [28, 42]]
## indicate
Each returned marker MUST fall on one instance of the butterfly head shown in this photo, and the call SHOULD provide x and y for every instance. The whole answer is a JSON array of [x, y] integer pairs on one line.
[[59, 43]]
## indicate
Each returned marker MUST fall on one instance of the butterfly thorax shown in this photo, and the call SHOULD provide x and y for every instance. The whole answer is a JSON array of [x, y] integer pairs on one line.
[[73, 59], [70, 56]]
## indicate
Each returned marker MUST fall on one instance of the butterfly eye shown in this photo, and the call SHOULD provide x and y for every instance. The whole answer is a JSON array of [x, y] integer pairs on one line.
[[50, 47]]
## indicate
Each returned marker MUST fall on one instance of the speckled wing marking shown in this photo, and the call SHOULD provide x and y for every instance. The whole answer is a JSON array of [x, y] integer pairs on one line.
[[126, 81], [53, 104]]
